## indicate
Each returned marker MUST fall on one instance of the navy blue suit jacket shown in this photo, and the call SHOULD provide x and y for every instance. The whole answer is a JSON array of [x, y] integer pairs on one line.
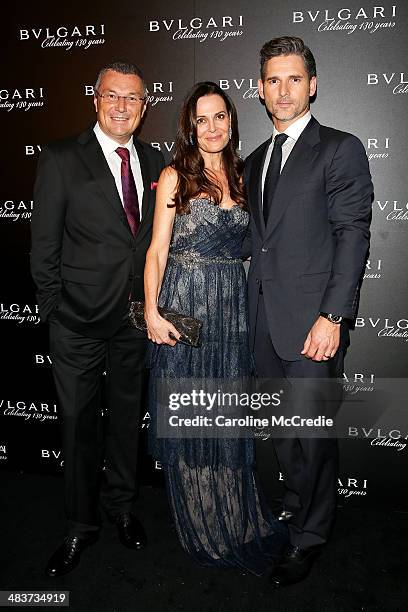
[[311, 255]]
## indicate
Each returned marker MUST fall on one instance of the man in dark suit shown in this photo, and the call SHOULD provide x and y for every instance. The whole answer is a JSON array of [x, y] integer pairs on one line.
[[91, 227], [310, 194]]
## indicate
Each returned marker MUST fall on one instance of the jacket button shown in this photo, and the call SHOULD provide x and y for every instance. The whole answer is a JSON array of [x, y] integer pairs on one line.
[[264, 250], [257, 281]]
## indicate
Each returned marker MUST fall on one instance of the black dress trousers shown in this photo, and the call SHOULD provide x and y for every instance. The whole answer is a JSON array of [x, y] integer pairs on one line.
[[78, 365]]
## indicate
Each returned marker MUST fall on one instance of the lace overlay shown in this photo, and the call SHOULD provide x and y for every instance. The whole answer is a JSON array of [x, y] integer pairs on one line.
[[218, 509]]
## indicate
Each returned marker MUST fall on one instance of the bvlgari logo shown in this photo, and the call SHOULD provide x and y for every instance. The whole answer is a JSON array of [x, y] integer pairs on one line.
[[16, 210], [385, 328], [393, 210], [167, 146], [3, 452], [66, 37], [200, 28], [348, 486], [378, 148], [395, 439], [22, 99], [19, 313], [31, 150], [29, 411], [368, 19], [373, 268], [160, 92], [396, 81], [247, 87], [52, 454], [358, 382], [146, 421], [42, 360]]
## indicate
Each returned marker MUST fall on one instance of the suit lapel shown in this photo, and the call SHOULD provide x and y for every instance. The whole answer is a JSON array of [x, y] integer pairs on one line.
[[255, 185], [299, 157], [94, 159]]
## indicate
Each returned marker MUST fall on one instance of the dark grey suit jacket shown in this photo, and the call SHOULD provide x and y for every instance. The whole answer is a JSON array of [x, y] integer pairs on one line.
[[311, 256], [84, 258]]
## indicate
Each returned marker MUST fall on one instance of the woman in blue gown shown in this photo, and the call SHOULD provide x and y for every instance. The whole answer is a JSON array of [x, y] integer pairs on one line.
[[193, 267]]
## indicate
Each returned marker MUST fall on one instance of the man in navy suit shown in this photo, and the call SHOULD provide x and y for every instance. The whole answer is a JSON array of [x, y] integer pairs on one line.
[[310, 193], [91, 228]]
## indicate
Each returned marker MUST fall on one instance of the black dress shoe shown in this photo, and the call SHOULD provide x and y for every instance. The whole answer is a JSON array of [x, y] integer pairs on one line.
[[294, 565], [67, 556], [285, 516], [130, 530]]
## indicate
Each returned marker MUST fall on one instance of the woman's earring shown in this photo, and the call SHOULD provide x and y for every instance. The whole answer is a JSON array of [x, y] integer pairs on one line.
[[229, 132], [191, 141]]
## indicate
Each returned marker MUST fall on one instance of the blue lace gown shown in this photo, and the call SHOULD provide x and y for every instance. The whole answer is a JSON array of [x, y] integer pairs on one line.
[[218, 510]]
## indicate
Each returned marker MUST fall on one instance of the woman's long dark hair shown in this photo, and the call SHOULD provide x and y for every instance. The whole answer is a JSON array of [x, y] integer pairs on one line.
[[189, 163]]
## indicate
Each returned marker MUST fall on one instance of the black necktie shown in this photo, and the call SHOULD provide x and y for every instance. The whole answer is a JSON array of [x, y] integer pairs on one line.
[[272, 175]]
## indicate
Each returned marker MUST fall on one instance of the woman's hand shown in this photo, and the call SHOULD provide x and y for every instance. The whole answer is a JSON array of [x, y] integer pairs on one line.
[[159, 330]]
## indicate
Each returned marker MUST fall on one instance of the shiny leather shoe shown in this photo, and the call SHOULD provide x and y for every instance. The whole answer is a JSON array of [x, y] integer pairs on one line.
[[294, 566], [130, 530], [285, 516], [67, 556]]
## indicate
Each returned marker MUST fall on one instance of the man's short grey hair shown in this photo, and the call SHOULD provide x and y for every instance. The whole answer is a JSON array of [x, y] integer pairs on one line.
[[122, 68]]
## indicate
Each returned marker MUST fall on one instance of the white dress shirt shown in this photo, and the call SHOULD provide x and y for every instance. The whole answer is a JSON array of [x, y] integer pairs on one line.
[[109, 147], [293, 132]]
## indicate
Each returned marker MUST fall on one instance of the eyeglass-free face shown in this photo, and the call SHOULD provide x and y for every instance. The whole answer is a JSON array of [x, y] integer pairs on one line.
[[118, 118], [213, 124], [286, 89]]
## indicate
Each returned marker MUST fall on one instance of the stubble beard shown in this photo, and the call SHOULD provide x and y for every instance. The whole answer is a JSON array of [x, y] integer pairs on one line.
[[284, 117]]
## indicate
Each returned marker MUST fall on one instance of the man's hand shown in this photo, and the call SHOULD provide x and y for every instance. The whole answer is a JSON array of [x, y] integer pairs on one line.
[[322, 341]]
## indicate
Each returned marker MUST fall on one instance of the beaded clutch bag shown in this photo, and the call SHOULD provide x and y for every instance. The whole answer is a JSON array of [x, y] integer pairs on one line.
[[188, 327]]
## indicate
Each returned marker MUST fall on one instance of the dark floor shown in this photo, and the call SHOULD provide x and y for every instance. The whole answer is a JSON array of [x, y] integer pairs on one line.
[[363, 568]]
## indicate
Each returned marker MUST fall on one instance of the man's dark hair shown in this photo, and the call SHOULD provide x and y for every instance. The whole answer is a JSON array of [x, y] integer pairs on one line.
[[123, 68], [288, 45]]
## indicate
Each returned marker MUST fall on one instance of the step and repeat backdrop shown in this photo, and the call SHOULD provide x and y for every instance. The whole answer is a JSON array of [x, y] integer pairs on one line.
[[46, 92]]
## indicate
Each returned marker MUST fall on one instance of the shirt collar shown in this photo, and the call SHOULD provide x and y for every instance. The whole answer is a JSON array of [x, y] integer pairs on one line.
[[296, 128], [109, 145]]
